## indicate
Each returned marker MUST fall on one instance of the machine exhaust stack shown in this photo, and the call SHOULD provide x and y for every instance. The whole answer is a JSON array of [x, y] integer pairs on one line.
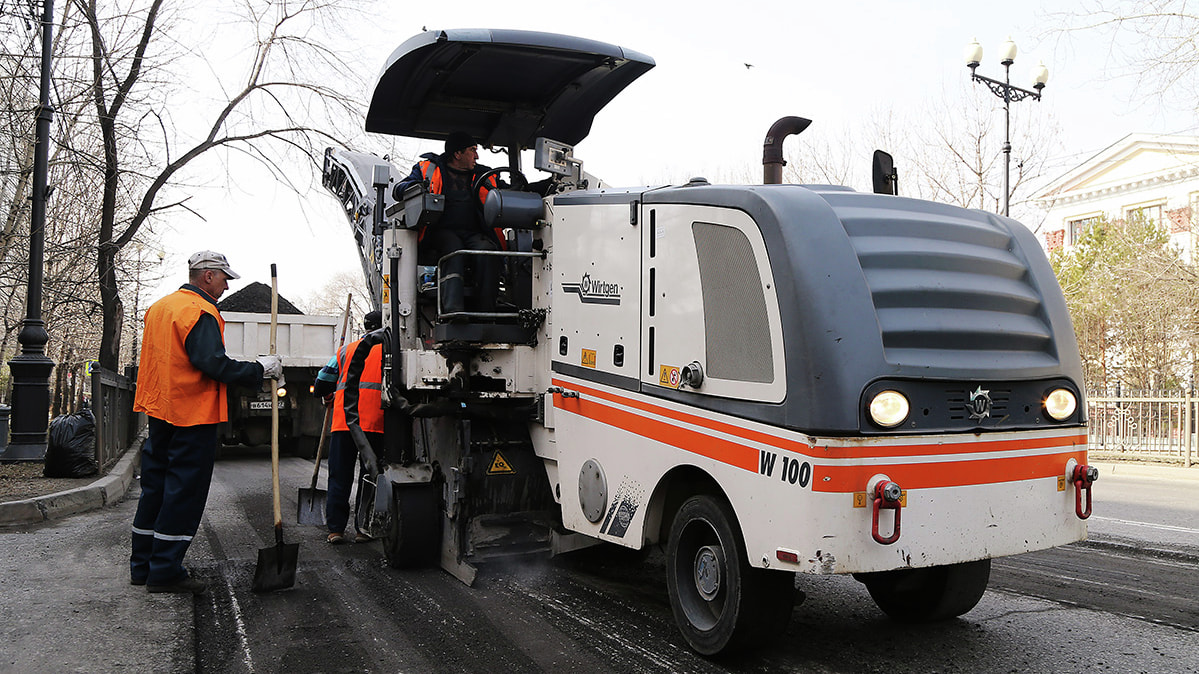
[[772, 148]]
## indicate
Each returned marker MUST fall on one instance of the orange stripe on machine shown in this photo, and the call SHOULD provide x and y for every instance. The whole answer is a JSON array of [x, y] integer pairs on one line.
[[833, 478], [840, 479]]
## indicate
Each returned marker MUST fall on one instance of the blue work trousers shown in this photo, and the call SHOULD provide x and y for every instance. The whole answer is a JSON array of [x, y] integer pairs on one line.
[[176, 471]]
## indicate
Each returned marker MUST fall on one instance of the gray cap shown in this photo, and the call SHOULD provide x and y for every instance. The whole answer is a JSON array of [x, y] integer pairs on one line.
[[207, 259]]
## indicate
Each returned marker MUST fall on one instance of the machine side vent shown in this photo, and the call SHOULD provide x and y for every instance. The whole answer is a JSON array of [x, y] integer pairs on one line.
[[737, 330]]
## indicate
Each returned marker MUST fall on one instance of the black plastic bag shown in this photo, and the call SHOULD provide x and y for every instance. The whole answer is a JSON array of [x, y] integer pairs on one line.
[[71, 451]]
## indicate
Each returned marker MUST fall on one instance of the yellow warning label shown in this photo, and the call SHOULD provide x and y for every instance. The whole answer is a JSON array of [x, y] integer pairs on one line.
[[1061, 483], [588, 357], [669, 376], [386, 288], [861, 501], [500, 466]]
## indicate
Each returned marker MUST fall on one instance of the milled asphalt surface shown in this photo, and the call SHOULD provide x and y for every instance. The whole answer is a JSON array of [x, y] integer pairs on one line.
[[58, 605]]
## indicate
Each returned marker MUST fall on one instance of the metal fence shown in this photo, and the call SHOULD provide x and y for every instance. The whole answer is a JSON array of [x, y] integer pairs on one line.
[[1156, 427], [116, 423]]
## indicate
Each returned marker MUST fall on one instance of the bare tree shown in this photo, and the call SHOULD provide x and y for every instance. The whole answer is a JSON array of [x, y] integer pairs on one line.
[[279, 108], [1152, 42], [958, 159], [330, 300]]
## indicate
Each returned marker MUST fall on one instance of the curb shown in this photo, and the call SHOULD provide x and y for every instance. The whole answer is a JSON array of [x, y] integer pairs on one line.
[[105, 491]]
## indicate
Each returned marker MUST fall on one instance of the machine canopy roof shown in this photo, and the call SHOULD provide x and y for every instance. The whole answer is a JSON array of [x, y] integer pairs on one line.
[[503, 87]]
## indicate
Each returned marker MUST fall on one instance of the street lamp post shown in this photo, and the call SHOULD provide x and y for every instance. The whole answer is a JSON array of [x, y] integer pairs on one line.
[[1009, 93], [31, 368]]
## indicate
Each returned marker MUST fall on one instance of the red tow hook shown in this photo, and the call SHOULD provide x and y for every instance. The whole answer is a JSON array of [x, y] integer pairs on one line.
[[887, 495], [1083, 478]]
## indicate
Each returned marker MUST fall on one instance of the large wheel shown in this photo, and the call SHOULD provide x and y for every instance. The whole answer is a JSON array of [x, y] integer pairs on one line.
[[413, 534], [720, 602], [930, 594]]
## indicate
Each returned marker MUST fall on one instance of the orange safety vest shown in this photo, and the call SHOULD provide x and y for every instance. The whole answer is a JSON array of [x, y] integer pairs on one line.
[[432, 173], [370, 390], [169, 387]]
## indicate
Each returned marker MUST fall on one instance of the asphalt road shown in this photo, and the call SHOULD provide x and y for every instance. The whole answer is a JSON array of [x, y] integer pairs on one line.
[[1074, 609], [1127, 605]]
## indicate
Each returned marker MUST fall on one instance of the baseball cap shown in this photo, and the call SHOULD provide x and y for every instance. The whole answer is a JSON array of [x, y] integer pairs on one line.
[[207, 259]]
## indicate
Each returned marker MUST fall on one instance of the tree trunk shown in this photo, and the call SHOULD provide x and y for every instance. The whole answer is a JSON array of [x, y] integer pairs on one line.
[[111, 307]]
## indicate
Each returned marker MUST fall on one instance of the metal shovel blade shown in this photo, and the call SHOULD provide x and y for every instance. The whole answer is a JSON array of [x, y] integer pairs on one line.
[[276, 565], [311, 507]]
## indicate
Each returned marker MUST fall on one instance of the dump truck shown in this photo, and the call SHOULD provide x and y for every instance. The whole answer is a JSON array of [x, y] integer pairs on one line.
[[761, 380], [304, 342]]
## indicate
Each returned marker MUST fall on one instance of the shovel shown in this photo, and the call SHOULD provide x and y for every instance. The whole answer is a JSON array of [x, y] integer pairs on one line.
[[277, 564], [310, 508], [310, 504]]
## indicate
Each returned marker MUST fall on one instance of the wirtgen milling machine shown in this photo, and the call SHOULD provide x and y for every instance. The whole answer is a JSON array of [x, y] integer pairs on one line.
[[762, 379]]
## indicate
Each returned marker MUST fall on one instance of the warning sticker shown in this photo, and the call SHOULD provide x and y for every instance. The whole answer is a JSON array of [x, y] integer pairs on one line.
[[669, 376], [862, 500], [500, 466], [386, 288], [588, 357]]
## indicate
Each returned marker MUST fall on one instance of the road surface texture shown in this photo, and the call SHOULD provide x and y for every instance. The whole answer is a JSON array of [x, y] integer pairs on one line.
[[1125, 602]]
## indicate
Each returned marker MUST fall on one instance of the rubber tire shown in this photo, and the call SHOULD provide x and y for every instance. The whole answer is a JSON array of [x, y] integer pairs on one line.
[[930, 594], [748, 607], [412, 537]]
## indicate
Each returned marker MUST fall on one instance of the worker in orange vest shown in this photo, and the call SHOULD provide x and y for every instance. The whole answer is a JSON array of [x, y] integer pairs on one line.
[[181, 383], [454, 174], [342, 451]]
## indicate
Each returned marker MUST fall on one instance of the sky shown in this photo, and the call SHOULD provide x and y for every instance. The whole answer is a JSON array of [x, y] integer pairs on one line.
[[701, 109]]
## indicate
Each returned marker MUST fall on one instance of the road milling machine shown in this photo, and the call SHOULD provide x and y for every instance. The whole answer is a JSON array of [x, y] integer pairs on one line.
[[763, 380]]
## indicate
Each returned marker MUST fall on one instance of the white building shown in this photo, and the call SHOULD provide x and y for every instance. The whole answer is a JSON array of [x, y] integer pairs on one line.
[[1156, 177]]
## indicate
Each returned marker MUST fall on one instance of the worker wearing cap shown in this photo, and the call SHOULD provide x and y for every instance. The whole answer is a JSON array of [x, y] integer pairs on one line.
[[453, 174], [181, 383], [342, 450]]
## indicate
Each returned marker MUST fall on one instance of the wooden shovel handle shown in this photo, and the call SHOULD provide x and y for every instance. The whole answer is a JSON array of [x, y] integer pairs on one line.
[[275, 404]]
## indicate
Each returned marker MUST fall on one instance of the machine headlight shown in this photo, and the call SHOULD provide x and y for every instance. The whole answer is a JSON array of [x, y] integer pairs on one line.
[[889, 409], [281, 392], [1060, 404]]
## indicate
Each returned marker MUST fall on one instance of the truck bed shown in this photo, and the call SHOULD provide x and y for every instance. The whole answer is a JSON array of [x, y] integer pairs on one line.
[[302, 340]]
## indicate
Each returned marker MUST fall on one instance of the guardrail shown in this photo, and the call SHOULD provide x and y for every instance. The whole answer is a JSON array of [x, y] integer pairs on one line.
[[1157, 427], [116, 423]]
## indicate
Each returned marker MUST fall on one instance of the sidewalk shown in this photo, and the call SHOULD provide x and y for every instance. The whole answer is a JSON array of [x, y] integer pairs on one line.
[[1133, 469], [107, 490]]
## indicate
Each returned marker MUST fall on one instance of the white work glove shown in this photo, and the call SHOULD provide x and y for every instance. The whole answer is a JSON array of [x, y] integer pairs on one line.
[[272, 367]]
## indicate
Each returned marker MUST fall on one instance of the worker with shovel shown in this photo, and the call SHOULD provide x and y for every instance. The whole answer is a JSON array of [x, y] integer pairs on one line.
[[343, 453], [181, 383]]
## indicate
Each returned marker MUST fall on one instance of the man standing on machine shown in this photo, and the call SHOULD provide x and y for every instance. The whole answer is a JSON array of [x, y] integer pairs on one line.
[[454, 173]]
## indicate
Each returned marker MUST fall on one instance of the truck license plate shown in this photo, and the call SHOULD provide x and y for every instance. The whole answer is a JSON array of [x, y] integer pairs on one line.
[[260, 404]]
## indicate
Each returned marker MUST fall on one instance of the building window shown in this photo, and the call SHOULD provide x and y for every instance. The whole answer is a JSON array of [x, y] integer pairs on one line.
[[1150, 213], [1079, 226]]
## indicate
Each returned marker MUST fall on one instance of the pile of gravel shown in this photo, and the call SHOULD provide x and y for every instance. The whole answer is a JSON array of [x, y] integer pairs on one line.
[[256, 298]]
